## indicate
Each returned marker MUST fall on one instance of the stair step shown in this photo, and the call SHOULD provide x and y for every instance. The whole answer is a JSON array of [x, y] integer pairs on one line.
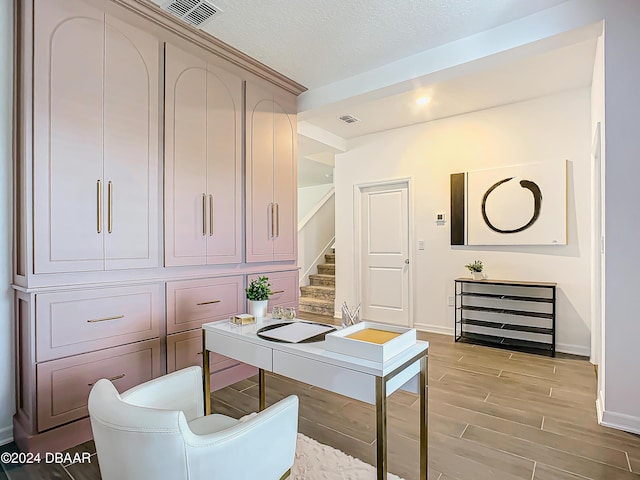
[[330, 258], [316, 291], [315, 305], [320, 280], [327, 268]]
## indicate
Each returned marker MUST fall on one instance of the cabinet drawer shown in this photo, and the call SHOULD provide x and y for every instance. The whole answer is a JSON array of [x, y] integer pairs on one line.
[[194, 302], [69, 323], [246, 352], [63, 385], [284, 286], [185, 349]]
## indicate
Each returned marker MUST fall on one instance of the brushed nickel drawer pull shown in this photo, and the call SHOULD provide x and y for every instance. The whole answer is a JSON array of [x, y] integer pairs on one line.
[[110, 207], [111, 379], [208, 303], [99, 206], [278, 291], [95, 320], [204, 215]]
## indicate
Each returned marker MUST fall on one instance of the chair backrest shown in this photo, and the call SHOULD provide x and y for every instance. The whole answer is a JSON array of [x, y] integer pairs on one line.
[[136, 442]]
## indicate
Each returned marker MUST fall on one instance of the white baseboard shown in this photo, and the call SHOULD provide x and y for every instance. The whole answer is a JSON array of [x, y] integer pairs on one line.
[[619, 421], [6, 435], [600, 407], [424, 327], [573, 349]]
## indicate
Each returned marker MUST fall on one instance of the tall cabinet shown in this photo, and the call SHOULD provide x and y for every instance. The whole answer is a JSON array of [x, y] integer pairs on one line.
[[129, 125], [271, 176], [203, 147], [95, 143]]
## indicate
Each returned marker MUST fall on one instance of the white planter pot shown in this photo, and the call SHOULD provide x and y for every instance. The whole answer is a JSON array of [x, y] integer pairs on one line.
[[257, 308], [477, 275]]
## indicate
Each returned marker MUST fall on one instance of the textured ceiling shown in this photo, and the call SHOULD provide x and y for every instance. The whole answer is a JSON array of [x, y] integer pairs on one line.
[[318, 42]]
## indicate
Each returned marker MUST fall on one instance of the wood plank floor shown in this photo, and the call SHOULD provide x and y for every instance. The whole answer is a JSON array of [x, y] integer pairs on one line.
[[493, 415]]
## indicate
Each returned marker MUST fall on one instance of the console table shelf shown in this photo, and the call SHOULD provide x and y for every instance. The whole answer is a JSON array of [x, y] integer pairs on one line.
[[506, 314]]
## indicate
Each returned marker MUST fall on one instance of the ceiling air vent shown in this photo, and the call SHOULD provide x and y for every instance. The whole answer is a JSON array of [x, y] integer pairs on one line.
[[348, 119], [194, 12]]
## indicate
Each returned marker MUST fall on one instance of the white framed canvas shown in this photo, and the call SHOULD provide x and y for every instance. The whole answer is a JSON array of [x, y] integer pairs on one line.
[[518, 205]]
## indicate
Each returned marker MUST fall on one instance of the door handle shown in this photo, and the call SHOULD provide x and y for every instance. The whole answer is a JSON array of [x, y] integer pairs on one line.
[[110, 207], [204, 215], [272, 220], [99, 202], [211, 215], [277, 220]]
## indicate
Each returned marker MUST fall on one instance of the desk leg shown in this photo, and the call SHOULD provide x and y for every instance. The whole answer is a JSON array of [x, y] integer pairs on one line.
[[381, 428], [424, 418], [206, 375], [261, 389]]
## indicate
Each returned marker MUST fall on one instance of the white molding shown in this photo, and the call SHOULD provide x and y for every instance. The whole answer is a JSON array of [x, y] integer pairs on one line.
[[424, 327], [357, 234], [304, 277], [315, 209], [600, 406], [6, 435], [573, 349], [619, 421]]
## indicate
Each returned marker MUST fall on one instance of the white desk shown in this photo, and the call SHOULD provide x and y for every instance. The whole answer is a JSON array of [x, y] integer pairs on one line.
[[364, 380]]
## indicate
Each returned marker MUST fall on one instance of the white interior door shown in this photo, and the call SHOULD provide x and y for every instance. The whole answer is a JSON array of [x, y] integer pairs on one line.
[[384, 220]]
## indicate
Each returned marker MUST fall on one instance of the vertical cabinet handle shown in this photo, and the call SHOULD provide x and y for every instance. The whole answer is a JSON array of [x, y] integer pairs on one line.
[[272, 234], [110, 207], [210, 215], [277, 219], [204, 215], [99, 202]]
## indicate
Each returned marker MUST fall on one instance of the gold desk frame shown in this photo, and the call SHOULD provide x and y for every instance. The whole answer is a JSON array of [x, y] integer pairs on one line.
[[381, 406]]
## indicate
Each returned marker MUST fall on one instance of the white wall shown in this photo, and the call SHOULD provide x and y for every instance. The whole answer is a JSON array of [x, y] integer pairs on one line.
[[7, 399], [597, 118], [315, 239], [622, 196], [308, 197], [550, 128]]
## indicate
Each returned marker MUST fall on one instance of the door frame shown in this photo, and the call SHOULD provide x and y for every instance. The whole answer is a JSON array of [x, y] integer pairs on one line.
[[357, 235]]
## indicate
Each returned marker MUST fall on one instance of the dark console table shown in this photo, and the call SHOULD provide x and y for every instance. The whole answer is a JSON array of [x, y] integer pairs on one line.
[[506, 314]]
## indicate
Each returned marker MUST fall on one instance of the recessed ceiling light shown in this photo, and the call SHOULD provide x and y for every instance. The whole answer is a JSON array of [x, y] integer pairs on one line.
[[423, 100]]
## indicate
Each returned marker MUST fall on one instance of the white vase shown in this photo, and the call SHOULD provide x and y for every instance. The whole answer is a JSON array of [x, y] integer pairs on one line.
[[477, 275], [258, 308]]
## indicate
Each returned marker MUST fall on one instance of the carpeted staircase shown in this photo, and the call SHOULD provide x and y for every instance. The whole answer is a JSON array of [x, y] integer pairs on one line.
[[319, 297]]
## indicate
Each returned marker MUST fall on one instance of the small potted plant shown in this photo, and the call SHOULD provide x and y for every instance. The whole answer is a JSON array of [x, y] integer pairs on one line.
[[258, 293], [476, 269]]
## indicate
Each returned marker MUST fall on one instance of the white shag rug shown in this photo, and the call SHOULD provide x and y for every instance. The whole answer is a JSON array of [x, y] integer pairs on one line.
[[315, 461]]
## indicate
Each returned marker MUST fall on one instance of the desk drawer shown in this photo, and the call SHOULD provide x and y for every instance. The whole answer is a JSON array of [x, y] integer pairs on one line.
[[246, 352], [344, 381], [284, 286], [185, 349], [194, 302], [64, 385], [69, 323]]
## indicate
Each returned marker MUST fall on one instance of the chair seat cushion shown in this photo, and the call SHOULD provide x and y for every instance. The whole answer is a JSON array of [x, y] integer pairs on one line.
[[211, 424]]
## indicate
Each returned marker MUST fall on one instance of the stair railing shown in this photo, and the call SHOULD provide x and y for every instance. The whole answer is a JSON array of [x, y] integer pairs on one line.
[[316, 234]]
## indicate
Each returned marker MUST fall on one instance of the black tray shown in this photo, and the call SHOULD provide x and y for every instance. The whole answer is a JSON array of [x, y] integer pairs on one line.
[[315, 338]]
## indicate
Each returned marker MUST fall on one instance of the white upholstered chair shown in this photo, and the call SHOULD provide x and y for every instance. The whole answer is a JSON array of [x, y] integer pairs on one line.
[[158, 430]]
